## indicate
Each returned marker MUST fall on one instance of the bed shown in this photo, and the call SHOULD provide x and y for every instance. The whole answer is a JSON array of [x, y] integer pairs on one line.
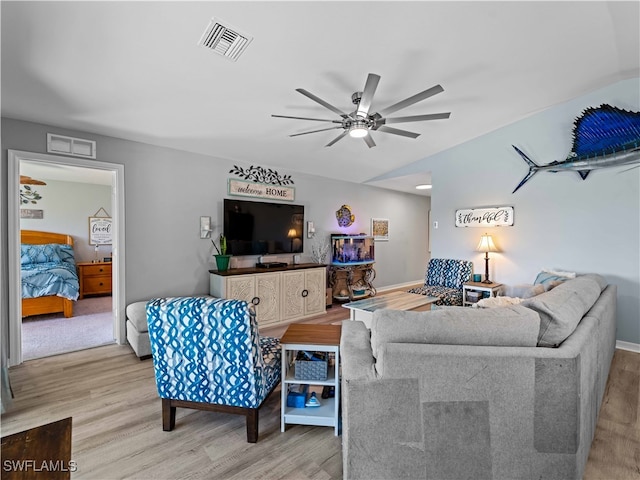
[[48, 273]]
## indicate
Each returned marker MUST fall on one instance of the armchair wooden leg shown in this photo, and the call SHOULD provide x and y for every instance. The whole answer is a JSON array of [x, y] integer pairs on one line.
[[252, 425], [168, 415]]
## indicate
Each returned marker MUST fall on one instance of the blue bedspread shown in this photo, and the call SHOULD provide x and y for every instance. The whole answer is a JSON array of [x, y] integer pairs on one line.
[[41, 278]]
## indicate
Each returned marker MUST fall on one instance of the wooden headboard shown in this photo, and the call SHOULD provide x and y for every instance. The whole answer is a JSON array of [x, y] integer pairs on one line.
[[34, 237]]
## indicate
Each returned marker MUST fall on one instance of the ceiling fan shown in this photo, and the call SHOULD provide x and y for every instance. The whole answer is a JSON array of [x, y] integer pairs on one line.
[[361, 122]]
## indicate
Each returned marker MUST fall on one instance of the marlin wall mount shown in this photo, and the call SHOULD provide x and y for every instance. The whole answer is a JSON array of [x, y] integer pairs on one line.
[[603, 137]]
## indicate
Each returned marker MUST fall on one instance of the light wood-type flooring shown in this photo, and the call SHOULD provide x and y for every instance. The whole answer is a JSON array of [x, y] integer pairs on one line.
[[117, 426]]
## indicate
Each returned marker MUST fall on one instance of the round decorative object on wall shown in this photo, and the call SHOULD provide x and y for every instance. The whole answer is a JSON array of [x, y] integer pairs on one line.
[[344, 216]]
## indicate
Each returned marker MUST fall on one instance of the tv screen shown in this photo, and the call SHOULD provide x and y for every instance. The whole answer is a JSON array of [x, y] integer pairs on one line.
[[261, 228]]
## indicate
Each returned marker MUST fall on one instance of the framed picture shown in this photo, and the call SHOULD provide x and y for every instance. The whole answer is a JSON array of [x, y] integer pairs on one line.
[[380, 229], [100, 232]]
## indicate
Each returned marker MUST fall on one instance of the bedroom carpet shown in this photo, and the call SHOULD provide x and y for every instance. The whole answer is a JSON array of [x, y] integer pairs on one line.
[[91, 326]]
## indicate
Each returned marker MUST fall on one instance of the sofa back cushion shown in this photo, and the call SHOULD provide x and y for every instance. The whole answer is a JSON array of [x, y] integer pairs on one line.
[[562, 308], [507, 326]]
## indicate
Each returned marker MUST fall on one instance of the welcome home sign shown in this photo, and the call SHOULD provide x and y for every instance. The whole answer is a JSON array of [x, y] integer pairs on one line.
[[485, 217], [261, 190]]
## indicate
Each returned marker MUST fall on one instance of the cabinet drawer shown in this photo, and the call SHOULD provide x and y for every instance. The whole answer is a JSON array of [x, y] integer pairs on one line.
[[96, 284], [98, 269]]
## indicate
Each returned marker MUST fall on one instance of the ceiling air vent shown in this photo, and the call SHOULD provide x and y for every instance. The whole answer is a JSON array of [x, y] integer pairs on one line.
[[224, 39]]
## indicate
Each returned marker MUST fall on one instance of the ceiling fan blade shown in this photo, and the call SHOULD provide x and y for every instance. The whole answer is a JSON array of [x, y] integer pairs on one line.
[[367, 95], [369, 141], [306, 118], [322, 102], [339, 137], [418, 118], [314, 131], [396, 131], [411, 100]]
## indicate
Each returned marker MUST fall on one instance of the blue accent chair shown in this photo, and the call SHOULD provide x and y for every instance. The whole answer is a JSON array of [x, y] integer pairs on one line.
[[444, 279], [208, 355]]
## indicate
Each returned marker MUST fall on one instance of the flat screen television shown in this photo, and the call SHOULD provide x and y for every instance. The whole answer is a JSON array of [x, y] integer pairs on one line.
[[262, 228]]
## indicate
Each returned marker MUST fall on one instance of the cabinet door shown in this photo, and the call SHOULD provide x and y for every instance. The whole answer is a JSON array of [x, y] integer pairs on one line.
[[316, 286], [293, 284], [241, 287], [267, 288]]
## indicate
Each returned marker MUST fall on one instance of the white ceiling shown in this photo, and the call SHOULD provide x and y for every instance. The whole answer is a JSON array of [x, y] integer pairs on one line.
[[134, 70]]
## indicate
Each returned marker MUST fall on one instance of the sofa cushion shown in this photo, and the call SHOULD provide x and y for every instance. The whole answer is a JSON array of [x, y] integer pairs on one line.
[[524, 290], [506, 326], [446, 295], [562, 308], [137, 315]]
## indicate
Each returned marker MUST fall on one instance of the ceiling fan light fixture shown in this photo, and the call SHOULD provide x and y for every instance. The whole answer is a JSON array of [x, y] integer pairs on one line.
[[358, 129]]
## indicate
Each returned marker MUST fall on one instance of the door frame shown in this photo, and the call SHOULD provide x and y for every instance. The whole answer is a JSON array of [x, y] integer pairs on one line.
[[13, 258]]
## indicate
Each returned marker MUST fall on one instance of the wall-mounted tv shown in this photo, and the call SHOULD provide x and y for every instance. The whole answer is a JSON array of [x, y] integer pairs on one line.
[[262, 228]]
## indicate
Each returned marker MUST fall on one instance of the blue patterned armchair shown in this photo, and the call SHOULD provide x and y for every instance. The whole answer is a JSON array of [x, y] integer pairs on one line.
[[208, 355], [444, 279]]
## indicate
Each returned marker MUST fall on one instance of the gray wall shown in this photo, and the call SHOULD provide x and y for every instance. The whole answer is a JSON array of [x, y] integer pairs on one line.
[[166, 192], [561, 221], [67, 207]]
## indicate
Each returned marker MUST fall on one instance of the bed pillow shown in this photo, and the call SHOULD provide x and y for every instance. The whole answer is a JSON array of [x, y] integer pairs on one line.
[[46, 253]]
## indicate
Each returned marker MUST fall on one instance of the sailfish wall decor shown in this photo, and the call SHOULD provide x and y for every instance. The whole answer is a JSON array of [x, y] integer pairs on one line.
[[603, 137]]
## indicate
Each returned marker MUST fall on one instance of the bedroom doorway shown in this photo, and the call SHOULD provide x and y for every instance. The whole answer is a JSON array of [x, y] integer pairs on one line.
[[95, 309]]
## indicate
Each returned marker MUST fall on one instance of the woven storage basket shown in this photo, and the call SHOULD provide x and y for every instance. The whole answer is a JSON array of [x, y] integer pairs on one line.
[[310, 370]]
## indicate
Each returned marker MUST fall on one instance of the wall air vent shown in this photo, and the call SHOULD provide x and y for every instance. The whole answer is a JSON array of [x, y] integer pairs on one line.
[[224, 39]]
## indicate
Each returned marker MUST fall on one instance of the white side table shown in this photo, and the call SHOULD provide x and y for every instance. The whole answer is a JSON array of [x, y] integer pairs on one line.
[[316, 338], [492, 288]]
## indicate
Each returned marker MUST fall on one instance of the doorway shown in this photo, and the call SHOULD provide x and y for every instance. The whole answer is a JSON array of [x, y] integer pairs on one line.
[[116, 173]]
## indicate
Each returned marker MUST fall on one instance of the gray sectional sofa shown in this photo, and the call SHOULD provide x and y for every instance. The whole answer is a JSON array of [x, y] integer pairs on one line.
[[464, 393]]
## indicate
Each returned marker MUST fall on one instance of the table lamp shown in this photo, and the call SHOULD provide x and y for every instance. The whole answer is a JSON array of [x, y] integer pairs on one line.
[[486, 245], [292, 234]]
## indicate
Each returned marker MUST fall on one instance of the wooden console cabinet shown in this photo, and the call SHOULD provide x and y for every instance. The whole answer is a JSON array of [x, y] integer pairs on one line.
[[95, 278], [282, 294]]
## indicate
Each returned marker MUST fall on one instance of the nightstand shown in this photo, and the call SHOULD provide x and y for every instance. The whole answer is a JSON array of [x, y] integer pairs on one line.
[[492, 288], [95, 278]]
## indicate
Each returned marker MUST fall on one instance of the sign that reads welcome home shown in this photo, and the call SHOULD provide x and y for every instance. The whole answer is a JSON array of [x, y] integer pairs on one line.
[[485, 217], [261, 190]]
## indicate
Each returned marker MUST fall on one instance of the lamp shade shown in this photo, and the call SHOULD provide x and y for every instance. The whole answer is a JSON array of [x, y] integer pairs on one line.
[[486, 244], [292, 233]]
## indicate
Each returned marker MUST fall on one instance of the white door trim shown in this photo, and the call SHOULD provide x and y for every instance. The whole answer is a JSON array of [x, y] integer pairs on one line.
[[13, 234]]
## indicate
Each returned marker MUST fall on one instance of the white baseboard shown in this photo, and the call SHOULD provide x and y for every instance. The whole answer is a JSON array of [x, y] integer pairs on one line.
[[632, 347], [400, 285]]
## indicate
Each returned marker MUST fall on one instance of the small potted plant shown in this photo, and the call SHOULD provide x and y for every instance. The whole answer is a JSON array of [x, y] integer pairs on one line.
[[222, 259]]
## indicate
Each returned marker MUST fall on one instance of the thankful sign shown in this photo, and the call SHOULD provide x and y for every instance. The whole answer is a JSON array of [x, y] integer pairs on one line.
[[485, 217]]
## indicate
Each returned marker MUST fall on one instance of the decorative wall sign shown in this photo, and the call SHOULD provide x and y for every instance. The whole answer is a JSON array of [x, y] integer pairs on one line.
[[261, 190], [29, 213], [262, 175], [380, 229], [485, 217], [602, 137], [100, 229], [344, 216]]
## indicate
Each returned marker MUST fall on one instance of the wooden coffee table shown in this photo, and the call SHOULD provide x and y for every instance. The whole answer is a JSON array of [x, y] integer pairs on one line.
[[362, 310]]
